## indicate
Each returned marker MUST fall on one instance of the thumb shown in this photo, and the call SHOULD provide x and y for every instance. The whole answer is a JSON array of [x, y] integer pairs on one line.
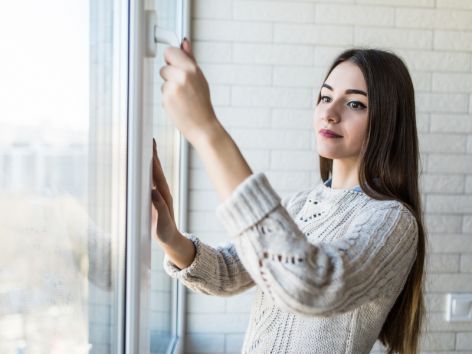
[[187, 48]]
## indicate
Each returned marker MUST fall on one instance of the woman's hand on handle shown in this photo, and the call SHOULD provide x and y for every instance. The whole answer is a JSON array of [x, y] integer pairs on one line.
[[186, 94]]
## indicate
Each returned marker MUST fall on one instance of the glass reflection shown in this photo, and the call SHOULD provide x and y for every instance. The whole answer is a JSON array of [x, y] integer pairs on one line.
[[62, 186]]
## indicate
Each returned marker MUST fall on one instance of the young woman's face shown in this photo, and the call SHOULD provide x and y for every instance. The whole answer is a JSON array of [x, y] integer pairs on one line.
[[343, 109]]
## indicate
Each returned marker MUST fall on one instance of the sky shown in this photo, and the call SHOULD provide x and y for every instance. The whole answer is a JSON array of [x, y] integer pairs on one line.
[[44, 66]]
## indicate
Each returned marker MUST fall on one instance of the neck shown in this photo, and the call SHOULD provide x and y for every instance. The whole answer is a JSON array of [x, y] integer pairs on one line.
[[345, 173]]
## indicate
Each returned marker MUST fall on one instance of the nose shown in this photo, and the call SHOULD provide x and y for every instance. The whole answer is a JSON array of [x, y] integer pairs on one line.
[[331, 115]]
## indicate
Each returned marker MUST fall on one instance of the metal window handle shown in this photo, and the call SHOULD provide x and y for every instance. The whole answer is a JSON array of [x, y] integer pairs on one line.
[[155, 35]]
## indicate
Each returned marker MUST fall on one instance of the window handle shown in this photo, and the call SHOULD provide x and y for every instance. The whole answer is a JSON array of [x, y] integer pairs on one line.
[[155, 34]]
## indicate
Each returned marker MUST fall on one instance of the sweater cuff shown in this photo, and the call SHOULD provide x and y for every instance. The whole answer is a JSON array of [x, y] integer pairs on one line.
[[250, 202], [203, 257]]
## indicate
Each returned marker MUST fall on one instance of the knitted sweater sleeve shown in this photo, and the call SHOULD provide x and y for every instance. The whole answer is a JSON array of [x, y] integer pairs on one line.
[[371, 259], [214, 270]]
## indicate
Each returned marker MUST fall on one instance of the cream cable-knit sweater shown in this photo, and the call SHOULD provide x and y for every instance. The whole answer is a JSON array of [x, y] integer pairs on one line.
[[327, 263]]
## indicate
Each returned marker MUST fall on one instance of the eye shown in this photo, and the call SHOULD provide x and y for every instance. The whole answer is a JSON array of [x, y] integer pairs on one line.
[[356, 105], [324, 99]]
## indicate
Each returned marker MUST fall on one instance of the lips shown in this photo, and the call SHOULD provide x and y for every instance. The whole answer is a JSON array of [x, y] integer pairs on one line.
[[329, 133]]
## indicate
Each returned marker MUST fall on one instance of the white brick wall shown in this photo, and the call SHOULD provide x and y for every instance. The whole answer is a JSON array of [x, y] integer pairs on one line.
[[265, 61]]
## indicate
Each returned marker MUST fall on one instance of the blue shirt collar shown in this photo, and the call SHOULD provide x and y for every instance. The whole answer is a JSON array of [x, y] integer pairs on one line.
[[356, 188]]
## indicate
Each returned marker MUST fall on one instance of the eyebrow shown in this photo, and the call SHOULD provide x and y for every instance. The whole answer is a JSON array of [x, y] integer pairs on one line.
[[360, 92]]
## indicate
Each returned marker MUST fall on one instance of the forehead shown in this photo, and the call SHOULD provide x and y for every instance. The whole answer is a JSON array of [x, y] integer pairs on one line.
[[345, 76]]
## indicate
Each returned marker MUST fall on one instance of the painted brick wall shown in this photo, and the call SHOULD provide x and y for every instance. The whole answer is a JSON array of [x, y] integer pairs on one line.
[[265, 61]]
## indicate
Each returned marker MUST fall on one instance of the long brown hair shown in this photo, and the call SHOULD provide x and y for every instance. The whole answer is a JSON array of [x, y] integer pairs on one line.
[[391, 153]]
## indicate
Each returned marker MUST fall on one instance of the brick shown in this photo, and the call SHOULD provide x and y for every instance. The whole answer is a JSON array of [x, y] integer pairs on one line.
[[393, 38], [324, 56], [452, 82], [467, 224], [293, 160], [450, 243], [435, 302], [272, 139], [449, 204], [450, 163], [422, 81], [453, 40], [406, 3], [221, 74], [240, 303], [443, 142], [439, 183], [457, 282], [204, 221], [291, 76], [451, 123], [466, 263], [454, 4], [204, 343], [202, 303], [464, 340], [430, 60], [203, 200], [198, 178], [437, 323], [313, 34], [217, 323], [234, 342], [288, 180], [441, 223], [212, 52], [443, 263], [244, 117], [220, 95], [220, 30], [258, 159], [278, 54], [215, 9], [441, 102], [437, 341], [274, 11], [468, 184], [292, 118], [433, 18], [422, 122], [275, 97], [355, 15]]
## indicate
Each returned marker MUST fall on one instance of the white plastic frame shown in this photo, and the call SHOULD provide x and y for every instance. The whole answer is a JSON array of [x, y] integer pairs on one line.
[[138, 243]]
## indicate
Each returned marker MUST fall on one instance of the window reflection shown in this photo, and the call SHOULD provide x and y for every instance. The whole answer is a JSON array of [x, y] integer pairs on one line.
[[62, 186], [167, 139]]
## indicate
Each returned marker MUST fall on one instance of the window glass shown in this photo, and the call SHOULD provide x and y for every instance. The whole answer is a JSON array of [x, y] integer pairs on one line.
[[167, 139], [63, 180]]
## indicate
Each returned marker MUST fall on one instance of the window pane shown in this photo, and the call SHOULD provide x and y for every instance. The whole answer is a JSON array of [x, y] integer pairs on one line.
[[161, 297], [166, 13], [62, 186]]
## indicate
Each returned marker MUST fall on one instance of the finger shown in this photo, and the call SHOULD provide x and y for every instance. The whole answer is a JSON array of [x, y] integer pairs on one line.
[[177, 57], [157, 171], [160, 181], [171, 73], [157, 199], [187, 47]]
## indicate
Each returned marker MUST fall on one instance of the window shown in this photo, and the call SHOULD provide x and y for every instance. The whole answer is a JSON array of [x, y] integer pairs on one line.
[[75, 152], [63, 182]]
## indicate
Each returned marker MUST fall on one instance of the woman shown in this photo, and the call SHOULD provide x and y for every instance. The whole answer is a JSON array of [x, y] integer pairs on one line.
[[336, 266]]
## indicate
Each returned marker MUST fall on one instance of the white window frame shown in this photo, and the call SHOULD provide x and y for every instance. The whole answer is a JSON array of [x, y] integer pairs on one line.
[[139, 183]]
